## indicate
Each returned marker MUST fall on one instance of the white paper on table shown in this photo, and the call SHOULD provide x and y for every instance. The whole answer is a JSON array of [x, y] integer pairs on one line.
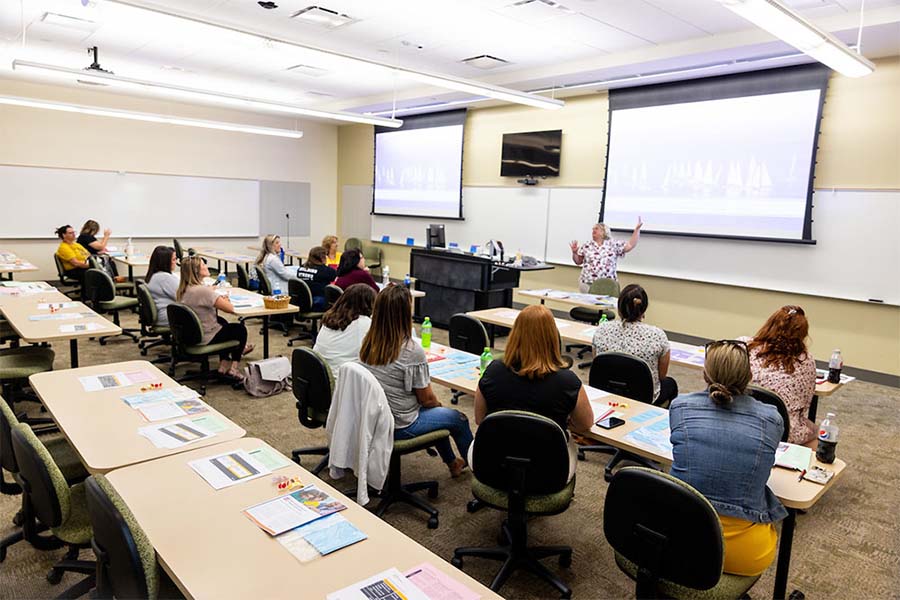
[[390, 584], [161, 411], [594, 393], [437, 585], [542, 292], [508, 314], [94, 383], [230, 468], [60, 305], [298, 547], [280, 515], [557, 294], [602, 410], [79, 327], [174, 435]]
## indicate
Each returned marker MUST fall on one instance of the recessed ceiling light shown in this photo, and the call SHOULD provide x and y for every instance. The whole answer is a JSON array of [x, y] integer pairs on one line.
[[485, 61], [308, 70], [68, 21], [173, 68], [323, 17]]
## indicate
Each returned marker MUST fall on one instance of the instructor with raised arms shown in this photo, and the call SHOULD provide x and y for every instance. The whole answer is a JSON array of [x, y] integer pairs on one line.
[[599, 257]]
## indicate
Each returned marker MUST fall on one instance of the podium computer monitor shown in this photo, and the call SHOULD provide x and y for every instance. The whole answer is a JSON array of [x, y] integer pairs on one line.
[[434, 234]]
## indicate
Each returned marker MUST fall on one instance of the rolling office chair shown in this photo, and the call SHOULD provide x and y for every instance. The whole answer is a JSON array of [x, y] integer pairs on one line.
[[125, 287], [374, 256], [520, 464], [188, 346], [301, 297], [767, 396], [469, 335], [243, 277], [312, 385], [179, 252], [624, 375], [66, 280], [353, 244], [151, 334], [49, 498], [668, 557], [100, 291], [332, 293], [602, 287]]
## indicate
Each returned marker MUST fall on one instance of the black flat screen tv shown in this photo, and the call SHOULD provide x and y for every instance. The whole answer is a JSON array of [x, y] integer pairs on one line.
[[534, 153]]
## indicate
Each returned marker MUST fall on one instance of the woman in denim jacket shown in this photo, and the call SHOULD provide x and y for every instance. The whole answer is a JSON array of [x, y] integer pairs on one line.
[[723, 444]]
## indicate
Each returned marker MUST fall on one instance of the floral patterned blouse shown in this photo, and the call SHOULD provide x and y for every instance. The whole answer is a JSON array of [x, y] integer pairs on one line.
[[600, 260], [796, 389]]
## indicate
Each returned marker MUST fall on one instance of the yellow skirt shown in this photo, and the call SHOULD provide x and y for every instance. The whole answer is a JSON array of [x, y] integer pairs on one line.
[[749, 547]]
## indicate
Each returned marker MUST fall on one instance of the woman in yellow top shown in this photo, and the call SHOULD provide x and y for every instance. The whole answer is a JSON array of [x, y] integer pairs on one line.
[[73, 255], [333, 257]]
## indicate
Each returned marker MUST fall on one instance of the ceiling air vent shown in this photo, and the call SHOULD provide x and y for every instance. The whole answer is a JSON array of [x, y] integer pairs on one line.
[[323, 17], [308, 70], [485, 62]]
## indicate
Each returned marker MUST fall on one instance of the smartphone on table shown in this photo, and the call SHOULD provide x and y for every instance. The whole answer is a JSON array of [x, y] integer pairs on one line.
[[610, 422]]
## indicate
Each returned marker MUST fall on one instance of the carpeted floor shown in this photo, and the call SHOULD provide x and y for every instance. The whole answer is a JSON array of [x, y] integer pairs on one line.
[[847, 546]]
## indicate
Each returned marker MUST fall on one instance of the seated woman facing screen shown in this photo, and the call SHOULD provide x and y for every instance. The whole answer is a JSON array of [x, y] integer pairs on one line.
[[269, 261], [74, 256], [205, 302], [400, 366], [344, 327], [532, 377], [333, 257], [353, 270], [316, 275], [780, 362], [88, 240], [630, 335], [162, 281], [723, 444]]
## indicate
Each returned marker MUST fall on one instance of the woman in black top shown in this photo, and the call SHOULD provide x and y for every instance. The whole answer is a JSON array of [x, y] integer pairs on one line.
[[532, 377], [88, 239], [316, 275]]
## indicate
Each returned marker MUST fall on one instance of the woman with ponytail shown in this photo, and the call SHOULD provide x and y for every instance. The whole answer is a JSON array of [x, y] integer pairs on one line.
[[723, 444], [629, 334], [780, 362]]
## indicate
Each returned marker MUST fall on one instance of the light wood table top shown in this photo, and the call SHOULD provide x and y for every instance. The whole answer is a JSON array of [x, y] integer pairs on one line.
[[464, 383], [238, 295], [18, 310], [13, 290], [211, 550], [101, 427], [287, 252], [227, 257], [137, 260], [572, 298]]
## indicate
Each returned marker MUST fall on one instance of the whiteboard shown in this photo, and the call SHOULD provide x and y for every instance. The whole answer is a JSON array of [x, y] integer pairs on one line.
[[856, 257], [131, 204], [515, 216]]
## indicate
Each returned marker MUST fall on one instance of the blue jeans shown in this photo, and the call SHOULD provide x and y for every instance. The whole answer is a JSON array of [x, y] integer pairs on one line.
[[432, 419], [318, 304]]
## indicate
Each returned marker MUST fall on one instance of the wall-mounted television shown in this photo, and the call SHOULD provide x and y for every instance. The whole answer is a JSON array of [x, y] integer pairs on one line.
[[534, 153]]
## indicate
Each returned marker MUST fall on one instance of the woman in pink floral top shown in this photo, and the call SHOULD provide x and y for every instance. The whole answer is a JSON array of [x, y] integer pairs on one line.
[[781, 362], [599, 258]]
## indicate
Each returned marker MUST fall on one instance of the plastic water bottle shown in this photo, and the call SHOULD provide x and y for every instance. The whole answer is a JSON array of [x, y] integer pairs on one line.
[[828, 439], [220, 280], [281, 255], [407, 281], [426, 333], [834, 366], [129, 248], [604, 318], [385, 274], [486, 359]]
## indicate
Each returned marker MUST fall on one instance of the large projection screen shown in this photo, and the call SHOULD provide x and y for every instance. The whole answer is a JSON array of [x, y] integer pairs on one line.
[[418, 167], [729, 157]]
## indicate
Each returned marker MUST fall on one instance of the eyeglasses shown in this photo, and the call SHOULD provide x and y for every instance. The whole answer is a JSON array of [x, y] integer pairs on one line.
[[740, 344]]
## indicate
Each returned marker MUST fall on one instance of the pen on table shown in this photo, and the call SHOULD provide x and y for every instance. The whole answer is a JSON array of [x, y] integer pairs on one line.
[[802, 473]]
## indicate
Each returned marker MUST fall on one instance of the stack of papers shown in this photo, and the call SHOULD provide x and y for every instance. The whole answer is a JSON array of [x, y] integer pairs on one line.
[[692, 357], [320, 537], [79, 327], [246, 301], [293, 510], [174, 435], [424, 582], [93, 383], [155, 396], [457, 365], [654, 436], [792, 456], [225, 470], [162, 411]]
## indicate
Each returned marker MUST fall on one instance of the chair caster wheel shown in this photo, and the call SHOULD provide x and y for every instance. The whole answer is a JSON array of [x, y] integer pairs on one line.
[[54, 577], [433, 523], [796, 595], [472, 506], [2, 553], [19, 519], [456, 562], [581, 455], [143, 353], [433, 492], [454, 400], [566, 595], [102, 342], [565, 560]]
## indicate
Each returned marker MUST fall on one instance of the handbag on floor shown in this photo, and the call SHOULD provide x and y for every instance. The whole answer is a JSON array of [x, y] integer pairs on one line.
[[267, 377]]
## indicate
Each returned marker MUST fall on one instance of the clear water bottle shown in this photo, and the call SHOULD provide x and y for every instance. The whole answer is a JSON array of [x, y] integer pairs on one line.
[[486, 359], [834, 366], [426, 333], [220, 280], [385, 274], [129, 248], [407, 281], [828, 439]]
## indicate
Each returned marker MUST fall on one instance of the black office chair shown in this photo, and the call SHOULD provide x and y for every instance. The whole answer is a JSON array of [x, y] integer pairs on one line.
[[520, 464], [100, 292], [124, 287], [627, 376], [767, 396], [179, 253], [301, 297], [49, 498], [469, 335], [592, 316], [313, 386], [332, 293], [675, 552], [152, 335], [126, 560], [188, 346], [243, 277], [66, 280]]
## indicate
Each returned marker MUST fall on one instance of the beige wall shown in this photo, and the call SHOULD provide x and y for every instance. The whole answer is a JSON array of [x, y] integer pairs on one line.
[[859, 148], [46, 138]]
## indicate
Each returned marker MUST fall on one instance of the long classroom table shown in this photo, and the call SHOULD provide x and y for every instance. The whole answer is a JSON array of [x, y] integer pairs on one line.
[[571, 298], [211, 550], [18, 310], [101, 427], [249, 304], [794, 494], [221, 256], [11, 264]]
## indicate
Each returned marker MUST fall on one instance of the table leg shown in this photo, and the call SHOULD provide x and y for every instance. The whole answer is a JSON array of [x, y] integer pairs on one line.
[[783, 565], [130, 273], [813, 407], [73, 351], [265, 336]]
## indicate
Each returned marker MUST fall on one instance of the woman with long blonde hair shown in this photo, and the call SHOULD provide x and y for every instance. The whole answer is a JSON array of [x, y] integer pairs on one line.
[[204, 300], [333, 257], [532, 377], [398, 363], [269, 261]]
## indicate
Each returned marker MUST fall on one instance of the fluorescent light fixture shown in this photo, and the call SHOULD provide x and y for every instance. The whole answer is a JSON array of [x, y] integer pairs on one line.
[[100, 78], [70, 22], [324, 17], [148, 117], [790, 27]]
